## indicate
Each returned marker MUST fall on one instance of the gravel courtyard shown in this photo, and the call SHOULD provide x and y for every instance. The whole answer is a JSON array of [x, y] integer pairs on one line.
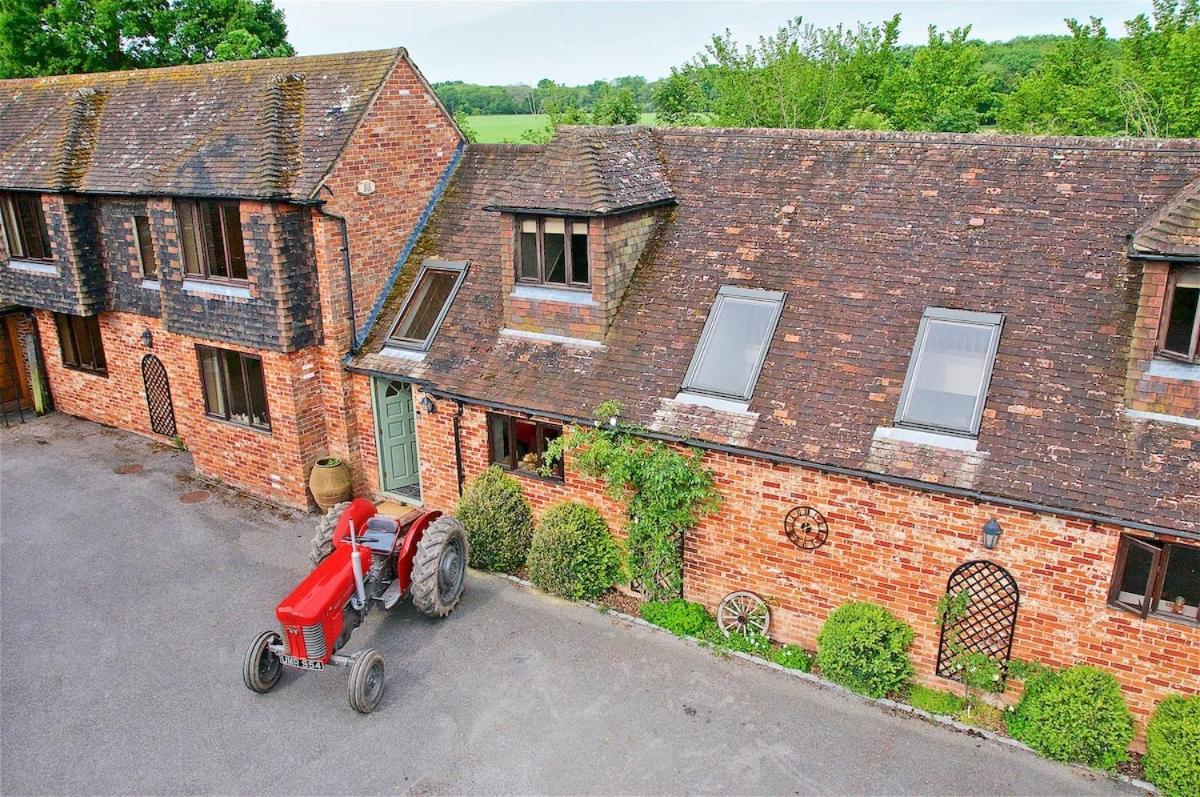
[[124, 614]]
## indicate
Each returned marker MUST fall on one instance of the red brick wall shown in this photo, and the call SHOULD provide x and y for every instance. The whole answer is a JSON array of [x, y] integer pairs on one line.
[[1156, 393], [890, 545], [270, 464]]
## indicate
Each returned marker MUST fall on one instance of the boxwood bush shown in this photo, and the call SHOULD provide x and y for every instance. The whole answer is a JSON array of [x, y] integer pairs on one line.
[[1077, 715], [572, 553], [498, 521], [1173, 746], [793, 657], [863, 647]]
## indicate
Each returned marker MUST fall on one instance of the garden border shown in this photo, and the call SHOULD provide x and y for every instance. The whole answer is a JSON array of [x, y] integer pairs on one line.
[[884, 702]]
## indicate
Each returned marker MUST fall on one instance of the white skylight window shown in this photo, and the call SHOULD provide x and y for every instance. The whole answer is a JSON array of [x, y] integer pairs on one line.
[[734, 343], [949, 371], [427, 303]]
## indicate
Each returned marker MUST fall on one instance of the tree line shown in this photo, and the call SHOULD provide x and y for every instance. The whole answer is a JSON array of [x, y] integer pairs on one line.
[[1081, 83]]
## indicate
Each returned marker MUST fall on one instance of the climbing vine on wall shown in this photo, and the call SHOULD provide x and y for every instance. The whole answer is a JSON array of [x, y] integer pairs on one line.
[[664, 492]]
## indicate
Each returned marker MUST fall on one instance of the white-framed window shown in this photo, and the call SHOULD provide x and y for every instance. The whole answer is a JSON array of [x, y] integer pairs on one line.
[[949, 371], [734, 343], [427, 304]]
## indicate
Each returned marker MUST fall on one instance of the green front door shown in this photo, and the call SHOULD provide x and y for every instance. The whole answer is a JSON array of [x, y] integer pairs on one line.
[[397, 425]]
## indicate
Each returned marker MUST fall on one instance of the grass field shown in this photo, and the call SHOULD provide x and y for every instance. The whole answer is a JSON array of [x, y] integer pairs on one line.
[[500, 128]]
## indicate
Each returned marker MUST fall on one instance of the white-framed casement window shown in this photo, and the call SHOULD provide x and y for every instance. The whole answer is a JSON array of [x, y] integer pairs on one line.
[[949, 371], [734, 343], [427, 303]]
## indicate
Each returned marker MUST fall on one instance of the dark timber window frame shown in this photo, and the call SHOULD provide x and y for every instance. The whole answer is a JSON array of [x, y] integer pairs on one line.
[[80, 343], [1192, 354], [511, 463], [23, 220], [144, 243], [1153, 602], [915, 360], [199, 264], [423, 344], [569, 234], [225, 389]]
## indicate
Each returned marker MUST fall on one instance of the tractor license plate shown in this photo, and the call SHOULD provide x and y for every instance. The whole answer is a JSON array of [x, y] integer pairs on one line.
[[303, 664]]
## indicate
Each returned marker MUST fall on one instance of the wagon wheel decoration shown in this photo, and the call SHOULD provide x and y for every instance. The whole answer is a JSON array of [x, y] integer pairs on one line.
[[743, 613], [806, 528]]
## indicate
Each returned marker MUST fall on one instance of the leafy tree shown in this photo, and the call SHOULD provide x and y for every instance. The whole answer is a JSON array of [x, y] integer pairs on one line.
[[1074, 91], [1160, 78], [945, 86], [616, 106], [44, 37], [679, 100], [561, 106]]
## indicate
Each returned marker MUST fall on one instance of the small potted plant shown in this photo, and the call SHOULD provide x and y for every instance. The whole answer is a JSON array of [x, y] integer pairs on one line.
[[1177, 604]]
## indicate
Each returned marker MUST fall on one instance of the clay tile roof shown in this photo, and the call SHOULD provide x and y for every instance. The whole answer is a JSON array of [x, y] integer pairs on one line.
[[863, 231], [590, 171], [1174, 231], [266, 128]]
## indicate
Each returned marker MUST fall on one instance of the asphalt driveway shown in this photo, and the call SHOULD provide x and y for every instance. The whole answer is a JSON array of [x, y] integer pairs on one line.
[[124, 614]]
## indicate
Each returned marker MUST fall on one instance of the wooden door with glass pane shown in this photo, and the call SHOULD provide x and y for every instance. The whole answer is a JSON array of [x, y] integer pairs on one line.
[[397, 431]]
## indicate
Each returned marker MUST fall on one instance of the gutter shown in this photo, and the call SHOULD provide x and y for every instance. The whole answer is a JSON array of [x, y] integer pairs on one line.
[[1133, 255], [976, 496]]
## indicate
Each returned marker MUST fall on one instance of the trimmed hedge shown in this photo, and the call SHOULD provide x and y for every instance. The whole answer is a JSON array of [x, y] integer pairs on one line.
[[498, 521], [1076, 716], [572, 553], [863, 647], [1173, 746]]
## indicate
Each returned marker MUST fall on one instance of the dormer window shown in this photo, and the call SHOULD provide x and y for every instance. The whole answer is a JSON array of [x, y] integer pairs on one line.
[[427, 303], [553, 251], [24, 226], [1180, 335], [734, 343], [949, 371]]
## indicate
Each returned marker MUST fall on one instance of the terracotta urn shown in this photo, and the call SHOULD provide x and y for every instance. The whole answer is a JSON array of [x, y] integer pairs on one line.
[[329, 482]]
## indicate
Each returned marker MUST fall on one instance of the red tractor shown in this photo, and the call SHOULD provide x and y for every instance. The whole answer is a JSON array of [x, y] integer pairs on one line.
[[360, 559]]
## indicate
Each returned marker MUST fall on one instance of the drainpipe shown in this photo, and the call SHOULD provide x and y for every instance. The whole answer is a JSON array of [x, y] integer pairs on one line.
[[341, 220], [458, 463]]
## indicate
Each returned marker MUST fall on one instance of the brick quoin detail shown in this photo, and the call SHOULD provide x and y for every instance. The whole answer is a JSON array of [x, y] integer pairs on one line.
[[888, 544]]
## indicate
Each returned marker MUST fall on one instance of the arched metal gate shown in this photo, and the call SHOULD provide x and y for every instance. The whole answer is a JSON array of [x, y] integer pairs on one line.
[[158, 396], [990, 618]]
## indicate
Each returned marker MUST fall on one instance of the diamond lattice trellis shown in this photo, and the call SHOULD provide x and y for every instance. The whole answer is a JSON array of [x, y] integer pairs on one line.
[[990, 618]]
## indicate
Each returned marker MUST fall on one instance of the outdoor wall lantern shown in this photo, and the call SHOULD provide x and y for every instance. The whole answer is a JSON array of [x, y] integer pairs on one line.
[[427, 405], [147, 339], [991, 534]]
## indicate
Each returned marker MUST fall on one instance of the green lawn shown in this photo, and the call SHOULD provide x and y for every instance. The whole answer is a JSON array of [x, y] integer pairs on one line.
[[500, 128]]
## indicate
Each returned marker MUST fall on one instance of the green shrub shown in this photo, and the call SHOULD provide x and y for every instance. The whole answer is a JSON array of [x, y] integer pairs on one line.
[[1022, 670], [680, 617], [572, 553], [1173, 746], [498, 521], [793, 657], [864, 648], [935, 701], [756, 644], [1077, 715]]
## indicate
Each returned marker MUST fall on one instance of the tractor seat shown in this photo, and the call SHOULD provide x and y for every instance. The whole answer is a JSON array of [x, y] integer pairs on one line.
[[380, 534]]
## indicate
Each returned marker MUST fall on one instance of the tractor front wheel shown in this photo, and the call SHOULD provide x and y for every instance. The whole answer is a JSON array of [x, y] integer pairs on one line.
[[440, 567], [366, 681], [262, 668]]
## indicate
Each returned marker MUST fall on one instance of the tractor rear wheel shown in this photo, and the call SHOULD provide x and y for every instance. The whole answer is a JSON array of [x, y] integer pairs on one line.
[[440, 567], [262, 669], [366, 681], [322, 543]]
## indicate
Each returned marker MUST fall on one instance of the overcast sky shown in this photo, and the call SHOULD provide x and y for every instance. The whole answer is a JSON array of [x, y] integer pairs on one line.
[[578, 41]]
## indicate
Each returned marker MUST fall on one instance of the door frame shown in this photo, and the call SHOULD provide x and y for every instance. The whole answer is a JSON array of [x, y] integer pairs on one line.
[[404, 499]]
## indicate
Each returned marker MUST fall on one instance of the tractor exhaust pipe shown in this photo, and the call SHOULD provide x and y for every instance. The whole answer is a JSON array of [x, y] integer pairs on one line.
[[356, 566]]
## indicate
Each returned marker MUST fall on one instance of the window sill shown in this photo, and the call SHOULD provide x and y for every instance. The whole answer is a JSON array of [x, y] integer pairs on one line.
[[1142, 415], [529, 474], [399, 353], [546, 337], [922, 438], [34, 266], [150, 284], [238, 425], [200, 287], [89, 371], [1166, 617], [541, 293], [713, 402], [1174, 369]]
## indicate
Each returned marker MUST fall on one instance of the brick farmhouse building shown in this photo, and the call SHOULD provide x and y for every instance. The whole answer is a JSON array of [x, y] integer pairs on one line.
[[898, 337], [907, 335], [177, 238]]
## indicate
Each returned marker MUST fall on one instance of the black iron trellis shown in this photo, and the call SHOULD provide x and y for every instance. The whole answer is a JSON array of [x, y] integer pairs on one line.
[[158, 396], [989, 621]]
